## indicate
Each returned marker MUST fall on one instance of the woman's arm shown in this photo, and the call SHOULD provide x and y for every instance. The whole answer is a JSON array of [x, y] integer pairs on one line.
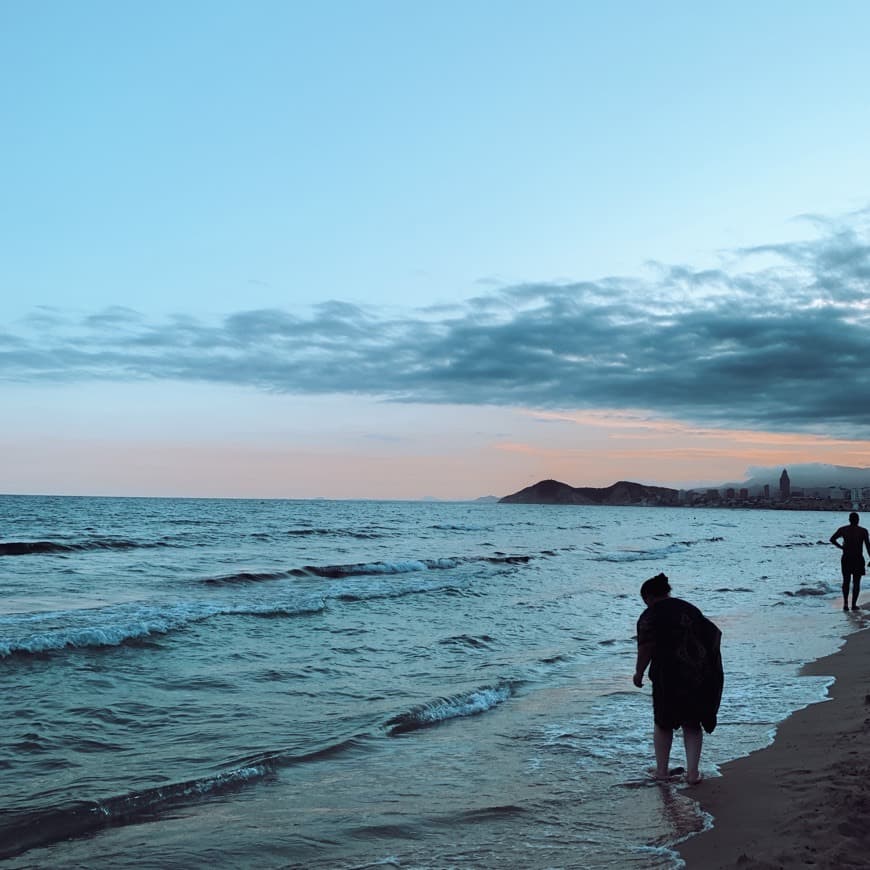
[[644, 657]]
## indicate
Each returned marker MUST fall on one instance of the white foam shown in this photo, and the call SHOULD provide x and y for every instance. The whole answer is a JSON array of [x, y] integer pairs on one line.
[[478, 701], [642, 555], [112, 626]]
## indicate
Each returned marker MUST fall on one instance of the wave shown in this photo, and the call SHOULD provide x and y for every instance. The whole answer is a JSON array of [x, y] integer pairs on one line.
[[454, 707], [482, 642], [405, 566], [336, 533], [336, 572], [640, 555], [792, 544], [274, 759], [362, 569], [22, 831], [125, 623], [654, 553], [399, 567], [248, 577], [129, 623], [29, 548], [821, 588], [373, 593], [502, 559], [459, 527], [113, 626]]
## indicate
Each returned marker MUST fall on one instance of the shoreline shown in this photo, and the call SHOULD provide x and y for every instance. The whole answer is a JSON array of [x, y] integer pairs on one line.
[[802, 800]]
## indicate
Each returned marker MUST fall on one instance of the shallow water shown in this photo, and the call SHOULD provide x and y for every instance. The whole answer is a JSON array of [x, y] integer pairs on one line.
[[353, 684]]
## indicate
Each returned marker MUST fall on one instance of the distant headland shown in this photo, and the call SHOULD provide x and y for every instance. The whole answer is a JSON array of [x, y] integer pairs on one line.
[[812, 486], [624, 492]]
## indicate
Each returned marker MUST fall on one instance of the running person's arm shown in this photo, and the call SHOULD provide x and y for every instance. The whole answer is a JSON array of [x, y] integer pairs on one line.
[[836, 535], [867, 541]]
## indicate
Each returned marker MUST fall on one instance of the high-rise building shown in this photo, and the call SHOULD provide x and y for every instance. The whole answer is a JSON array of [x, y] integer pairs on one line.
[[784, 485]]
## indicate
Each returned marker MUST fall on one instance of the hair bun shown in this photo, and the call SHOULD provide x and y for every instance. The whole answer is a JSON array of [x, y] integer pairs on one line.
[[657, 586]]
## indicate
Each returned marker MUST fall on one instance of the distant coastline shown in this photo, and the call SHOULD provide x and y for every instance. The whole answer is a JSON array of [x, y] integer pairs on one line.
[[625, 493]]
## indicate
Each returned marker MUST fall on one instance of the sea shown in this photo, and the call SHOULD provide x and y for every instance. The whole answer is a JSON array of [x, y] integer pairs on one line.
[[361, 684]]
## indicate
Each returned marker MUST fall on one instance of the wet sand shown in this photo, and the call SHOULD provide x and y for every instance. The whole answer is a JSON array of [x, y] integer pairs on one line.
[[804, 801]]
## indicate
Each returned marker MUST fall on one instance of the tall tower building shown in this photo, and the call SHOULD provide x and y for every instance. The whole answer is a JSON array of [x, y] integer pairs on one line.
[[784, 485]]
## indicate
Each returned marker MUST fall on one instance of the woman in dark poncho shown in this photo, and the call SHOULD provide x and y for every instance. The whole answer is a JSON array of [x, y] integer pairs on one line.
[[682, 648]]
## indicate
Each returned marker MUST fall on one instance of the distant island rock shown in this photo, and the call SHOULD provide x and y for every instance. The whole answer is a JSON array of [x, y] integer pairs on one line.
[[623, 492]]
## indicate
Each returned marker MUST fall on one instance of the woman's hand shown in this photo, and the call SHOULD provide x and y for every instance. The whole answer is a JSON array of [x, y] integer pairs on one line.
[[638, 679]]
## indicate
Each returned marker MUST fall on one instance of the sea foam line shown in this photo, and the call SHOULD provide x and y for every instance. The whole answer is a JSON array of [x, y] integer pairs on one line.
[[114, 626]]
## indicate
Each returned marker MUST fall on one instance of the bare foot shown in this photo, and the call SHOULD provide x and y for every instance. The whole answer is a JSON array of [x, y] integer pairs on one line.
[[672, 774], [693, 778]]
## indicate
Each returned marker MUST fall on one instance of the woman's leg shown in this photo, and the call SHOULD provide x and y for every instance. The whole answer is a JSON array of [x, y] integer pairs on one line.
[[693, 739], [662, 739]]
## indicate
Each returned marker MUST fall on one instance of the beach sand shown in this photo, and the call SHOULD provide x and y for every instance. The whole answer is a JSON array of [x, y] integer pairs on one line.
[[804, 801]]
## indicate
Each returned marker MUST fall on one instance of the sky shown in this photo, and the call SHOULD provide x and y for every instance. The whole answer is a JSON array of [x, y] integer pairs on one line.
[[405, 250]]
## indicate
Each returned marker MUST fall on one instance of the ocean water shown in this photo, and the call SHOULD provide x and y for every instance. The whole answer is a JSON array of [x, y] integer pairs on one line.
[[321, 684]]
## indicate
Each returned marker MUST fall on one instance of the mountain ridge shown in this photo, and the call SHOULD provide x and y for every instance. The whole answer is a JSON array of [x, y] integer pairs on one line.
[[622, 492], [806, 476]]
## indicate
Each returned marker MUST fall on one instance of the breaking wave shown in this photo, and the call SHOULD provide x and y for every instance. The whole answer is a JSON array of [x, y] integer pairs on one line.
[[30, 548], [362, 569], [453, 707], [22, 831], [653, 553], [125, 623], [112, 626], [399, 567]]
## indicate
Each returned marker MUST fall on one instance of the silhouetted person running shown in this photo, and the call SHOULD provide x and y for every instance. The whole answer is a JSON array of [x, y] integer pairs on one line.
[[855, 539]]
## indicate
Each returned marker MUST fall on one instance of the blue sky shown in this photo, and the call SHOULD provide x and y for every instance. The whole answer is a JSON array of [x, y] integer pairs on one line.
[[398, 250]]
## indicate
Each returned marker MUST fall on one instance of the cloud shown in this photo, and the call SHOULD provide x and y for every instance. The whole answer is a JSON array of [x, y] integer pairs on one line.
[[783, 347]]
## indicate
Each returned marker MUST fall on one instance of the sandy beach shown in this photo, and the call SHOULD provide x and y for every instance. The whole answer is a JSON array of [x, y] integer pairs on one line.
[[804, 800]]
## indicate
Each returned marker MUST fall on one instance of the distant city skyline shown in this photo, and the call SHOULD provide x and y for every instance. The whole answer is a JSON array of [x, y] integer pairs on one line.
[[388, 251], [851, 493]]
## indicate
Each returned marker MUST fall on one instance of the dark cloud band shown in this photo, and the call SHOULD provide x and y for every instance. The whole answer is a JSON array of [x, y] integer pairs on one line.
[[784, 346]]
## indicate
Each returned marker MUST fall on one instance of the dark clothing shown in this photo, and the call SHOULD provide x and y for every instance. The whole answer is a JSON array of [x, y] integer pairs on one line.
[[686, 665], [852, 566], [852, 560]]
